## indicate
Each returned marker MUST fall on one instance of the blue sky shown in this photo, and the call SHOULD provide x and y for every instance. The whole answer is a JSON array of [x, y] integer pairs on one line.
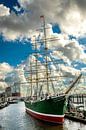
[[10, 3], [15, 51]]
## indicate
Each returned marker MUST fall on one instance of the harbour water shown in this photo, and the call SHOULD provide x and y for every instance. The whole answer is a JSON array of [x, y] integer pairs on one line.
[[14, 117]]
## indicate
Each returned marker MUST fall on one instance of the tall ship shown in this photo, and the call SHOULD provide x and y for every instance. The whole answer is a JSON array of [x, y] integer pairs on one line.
[[44, 101]]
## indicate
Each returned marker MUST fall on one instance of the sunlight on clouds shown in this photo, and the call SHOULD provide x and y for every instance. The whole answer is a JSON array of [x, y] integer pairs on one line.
[[69, 50], [69, 15], [11, 35], [73, 50], [74, 23], [4, 69], [4, 11], [17, 8], [25, 3], [69, 70]]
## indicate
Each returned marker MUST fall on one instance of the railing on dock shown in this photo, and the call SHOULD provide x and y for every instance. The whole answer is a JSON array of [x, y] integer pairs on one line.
[[77, 98]]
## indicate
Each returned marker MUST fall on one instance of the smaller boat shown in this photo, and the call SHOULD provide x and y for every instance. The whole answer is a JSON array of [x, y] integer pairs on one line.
[[13, 101]]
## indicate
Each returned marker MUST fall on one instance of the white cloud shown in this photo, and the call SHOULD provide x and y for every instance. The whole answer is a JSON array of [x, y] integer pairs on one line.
[[69, 70], [68, 14], [83, 70], [69, 50], [17, 8], [4, 11], [4, 69], [74, 22], [25, 3], [74, 51]]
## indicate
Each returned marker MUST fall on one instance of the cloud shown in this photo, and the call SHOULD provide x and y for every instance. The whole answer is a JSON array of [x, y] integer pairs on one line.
[[12, 26], [4, 11], [83, 70], [74, 51], [16, 79], [5, 68], [17, 8], [70, 15], [69, 70], [25, 3], [64, 48]]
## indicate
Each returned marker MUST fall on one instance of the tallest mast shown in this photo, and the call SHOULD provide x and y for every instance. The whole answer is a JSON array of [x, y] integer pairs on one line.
[[46, 50]]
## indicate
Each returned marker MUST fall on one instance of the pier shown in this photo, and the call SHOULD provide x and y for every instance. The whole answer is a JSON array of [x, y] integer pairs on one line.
[[75, 118], [77, 98], [76, 108]]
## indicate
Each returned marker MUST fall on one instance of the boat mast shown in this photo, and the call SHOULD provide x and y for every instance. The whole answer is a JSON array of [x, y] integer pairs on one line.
[[31, 76], [46, 50], [36, 66]]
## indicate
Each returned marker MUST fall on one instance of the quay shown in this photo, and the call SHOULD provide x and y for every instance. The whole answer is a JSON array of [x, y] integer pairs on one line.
[[7, 97], [75, 118], [76, 108]]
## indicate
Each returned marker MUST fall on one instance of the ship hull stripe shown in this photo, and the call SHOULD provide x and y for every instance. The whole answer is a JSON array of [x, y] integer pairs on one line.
[[46, 117]]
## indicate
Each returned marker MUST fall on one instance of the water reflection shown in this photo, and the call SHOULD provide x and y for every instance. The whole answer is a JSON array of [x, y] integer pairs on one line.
[[38, 125], [14, 117]]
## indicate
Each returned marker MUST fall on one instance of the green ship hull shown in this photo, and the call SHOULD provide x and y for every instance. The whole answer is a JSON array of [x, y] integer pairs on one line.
[[50, 110]]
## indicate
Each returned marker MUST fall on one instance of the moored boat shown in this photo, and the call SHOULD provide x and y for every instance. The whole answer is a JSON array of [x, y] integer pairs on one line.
[[45, 105], [50, 110]]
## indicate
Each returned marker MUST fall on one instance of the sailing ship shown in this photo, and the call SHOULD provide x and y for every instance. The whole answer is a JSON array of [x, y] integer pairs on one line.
[[41, 103]]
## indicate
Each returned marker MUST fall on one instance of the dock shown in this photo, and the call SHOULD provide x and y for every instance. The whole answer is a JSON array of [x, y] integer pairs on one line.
[[76, 108], [75, 118]]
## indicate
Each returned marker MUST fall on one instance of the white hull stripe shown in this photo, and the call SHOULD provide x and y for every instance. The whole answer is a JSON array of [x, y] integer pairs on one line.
[[49, 115]]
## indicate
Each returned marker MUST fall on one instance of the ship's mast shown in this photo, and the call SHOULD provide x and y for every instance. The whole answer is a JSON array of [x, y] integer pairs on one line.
[[31, 76], [46, 51], [36, 66]]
